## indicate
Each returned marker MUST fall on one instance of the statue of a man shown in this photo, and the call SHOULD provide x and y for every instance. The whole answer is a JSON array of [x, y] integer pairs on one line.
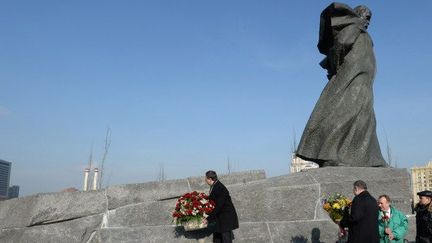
[[342, 129]]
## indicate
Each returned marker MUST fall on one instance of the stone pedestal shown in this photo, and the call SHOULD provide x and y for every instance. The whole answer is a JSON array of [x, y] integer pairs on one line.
[[279, 209]]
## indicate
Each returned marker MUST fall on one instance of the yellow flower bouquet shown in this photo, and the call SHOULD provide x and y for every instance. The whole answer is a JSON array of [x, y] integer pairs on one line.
[[335, 205]]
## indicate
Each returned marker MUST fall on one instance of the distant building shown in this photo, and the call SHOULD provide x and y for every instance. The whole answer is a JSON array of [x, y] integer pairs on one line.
[[70, 189], [5, 169], [298, 164], [13, 192], [421, 179]]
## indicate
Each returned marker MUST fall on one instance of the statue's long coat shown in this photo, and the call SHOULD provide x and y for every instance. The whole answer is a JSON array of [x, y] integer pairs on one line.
[[342, 129]]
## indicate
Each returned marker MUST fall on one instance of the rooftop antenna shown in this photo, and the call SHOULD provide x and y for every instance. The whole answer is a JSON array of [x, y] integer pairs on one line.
[[228, 165], [87, 171], [162, 175], [90, 157]]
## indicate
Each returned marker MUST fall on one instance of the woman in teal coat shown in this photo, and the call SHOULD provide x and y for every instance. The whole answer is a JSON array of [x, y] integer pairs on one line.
[[392, 223]]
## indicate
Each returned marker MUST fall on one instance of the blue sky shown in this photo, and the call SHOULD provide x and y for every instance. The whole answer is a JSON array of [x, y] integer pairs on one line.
[[189, 84]]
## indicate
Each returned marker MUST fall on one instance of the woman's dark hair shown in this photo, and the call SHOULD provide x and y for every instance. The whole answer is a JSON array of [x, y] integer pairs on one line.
[[211, 174]]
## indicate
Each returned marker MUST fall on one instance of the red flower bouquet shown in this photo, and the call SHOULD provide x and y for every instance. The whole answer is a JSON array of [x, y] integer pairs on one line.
[[385, 218], [191, 208]]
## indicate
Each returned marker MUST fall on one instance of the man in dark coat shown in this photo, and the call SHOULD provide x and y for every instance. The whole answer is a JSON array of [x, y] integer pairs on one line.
[[362, 222], [424, 217], [224, 215]]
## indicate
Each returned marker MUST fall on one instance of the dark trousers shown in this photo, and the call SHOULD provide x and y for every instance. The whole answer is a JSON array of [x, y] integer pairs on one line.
[[224, 237]]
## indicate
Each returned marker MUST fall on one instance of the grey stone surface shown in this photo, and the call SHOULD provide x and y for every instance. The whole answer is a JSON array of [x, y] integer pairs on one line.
[[274, 203], [411, 234], [159, 212], [295, 179], [11, 235], [77, 230], [143, 214], [50, 207], [320, 231], [248, 232], [393, 182], [198, 183], [278, 209], [252, 232], [147, 234], [301, 231], [259, 203], [17, 212], [351, 174], [136, 193], [315, 231]]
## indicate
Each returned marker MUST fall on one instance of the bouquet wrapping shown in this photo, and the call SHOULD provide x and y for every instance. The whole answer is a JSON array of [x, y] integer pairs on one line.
[[335, 205], [191, 209]]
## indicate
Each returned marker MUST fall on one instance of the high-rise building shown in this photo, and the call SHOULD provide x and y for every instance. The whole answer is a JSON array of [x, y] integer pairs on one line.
[[298, 164], [5, 169], [13, 192], [421, 179]]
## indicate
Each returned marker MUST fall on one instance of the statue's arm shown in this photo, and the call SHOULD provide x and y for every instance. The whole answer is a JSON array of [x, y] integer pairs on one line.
[[343, 43], [347, 36]]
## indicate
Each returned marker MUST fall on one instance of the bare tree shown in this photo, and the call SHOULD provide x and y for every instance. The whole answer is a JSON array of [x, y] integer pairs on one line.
[[108, 179], [106, 149], [389, 154], [294, 143], [388, 150]]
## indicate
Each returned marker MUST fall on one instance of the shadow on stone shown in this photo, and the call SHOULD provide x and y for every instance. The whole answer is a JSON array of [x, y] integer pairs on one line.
[[299, 239], [195, 234], [315, 235]]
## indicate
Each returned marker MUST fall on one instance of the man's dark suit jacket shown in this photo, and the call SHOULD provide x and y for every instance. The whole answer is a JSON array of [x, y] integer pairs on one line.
[[363, 220], [224, 214]]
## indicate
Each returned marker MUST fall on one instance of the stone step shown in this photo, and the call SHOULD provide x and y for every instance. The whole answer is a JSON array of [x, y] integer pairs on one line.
[[285, 198], [122, 195], [49, 208], [278, 209], [45, 208], [253, 205], [75, 230], [249, 232]]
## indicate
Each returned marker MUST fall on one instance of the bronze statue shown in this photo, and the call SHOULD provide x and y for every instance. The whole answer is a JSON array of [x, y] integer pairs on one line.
[[341, 130]]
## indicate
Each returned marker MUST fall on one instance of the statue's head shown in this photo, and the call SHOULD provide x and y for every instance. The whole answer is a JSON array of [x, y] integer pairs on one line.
[[364, 13]]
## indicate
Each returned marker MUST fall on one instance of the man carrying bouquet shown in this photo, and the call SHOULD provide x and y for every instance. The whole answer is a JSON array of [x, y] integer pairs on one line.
[[362, 222], [392, 223], [224, 213]]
